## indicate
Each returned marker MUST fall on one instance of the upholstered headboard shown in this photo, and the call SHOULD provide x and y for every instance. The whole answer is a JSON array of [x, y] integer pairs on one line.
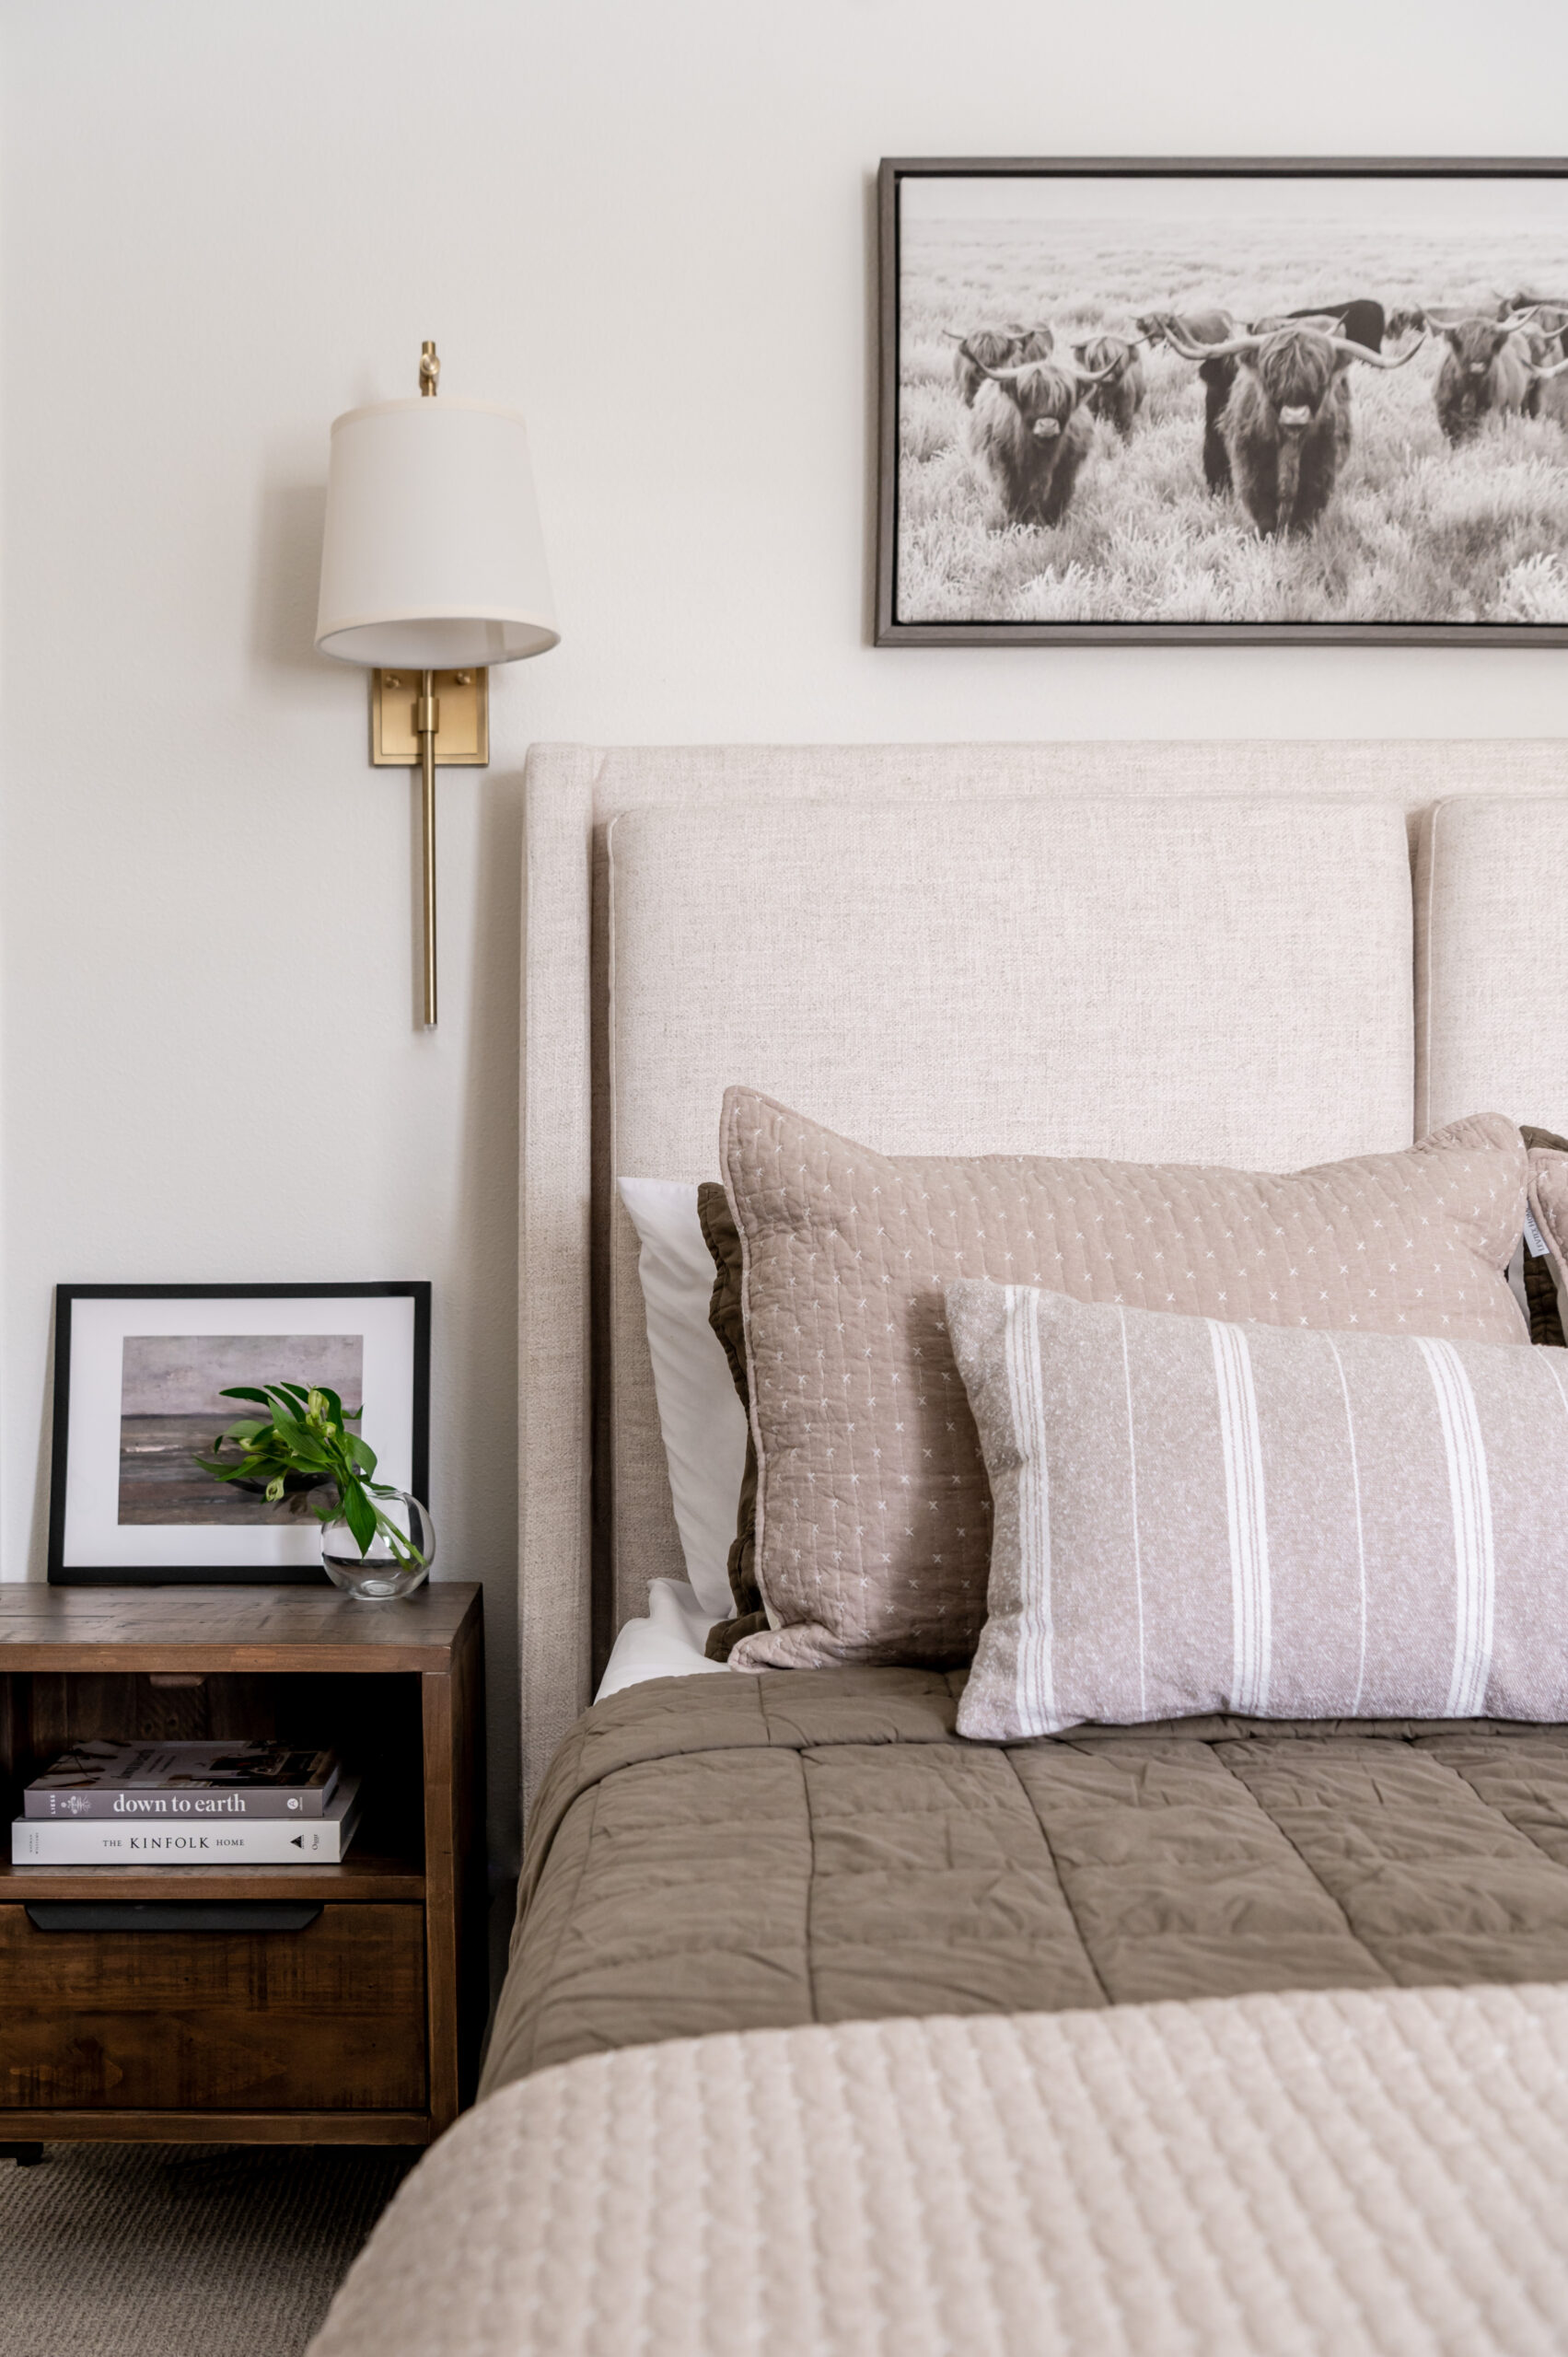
[[1193, 951]]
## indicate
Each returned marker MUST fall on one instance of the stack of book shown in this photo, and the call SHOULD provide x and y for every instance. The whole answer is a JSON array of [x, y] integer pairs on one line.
[[187, 1804]]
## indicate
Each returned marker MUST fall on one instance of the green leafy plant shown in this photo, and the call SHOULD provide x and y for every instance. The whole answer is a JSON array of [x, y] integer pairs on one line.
[[304, 1441]]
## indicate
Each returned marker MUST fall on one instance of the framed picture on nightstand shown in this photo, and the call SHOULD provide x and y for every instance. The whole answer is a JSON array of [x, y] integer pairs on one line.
[[140, 1372]]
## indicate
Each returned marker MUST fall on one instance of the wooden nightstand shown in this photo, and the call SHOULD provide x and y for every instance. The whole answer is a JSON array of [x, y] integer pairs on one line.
[[360, 2026]]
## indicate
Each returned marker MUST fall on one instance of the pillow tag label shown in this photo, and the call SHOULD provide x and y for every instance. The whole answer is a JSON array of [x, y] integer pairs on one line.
[[1535, 1242]]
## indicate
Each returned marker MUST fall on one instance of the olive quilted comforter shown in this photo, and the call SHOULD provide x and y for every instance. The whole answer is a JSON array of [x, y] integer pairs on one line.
[[819, 1846]]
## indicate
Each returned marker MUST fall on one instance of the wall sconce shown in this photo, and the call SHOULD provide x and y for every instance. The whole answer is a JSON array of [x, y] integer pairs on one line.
[[432, 568]]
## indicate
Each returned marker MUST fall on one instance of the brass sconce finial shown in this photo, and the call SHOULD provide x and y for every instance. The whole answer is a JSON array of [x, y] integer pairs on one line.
[[429, 369]]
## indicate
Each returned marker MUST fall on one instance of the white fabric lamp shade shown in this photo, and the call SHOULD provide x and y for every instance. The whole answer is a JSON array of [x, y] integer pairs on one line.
[[433, 557]]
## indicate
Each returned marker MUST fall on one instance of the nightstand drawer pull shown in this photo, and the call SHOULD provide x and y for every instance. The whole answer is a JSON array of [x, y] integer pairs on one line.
[[170, 1915]]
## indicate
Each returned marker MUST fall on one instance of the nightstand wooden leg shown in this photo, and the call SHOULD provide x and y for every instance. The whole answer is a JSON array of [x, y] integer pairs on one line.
[[440, 1878], [455, 1950]]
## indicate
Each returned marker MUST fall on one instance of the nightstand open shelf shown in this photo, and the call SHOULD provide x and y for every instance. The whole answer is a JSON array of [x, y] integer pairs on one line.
[[363, 1874], [363, 2026]]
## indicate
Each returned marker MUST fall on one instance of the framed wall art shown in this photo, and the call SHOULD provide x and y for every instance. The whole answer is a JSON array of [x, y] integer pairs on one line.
[[139, 1375], [1276, 400]]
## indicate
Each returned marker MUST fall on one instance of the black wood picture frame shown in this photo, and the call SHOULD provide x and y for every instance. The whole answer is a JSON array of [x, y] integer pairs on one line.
[[62, 1574], [889, 629]]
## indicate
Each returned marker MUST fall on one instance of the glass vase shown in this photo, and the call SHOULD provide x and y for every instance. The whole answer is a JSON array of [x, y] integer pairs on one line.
[[399, 1557]]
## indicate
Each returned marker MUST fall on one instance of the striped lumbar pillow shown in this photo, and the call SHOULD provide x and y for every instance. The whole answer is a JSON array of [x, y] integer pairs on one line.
[[1194, 1515]]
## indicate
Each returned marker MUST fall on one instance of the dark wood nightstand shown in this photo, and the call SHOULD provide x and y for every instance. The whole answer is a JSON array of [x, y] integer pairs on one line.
[[360, 2026]]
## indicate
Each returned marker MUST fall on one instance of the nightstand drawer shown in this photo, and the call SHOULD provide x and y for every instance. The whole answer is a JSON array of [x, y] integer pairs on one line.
[[330, 2018]]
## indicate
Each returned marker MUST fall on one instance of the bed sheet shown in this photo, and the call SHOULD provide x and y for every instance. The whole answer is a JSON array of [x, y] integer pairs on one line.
[[667, 1642]]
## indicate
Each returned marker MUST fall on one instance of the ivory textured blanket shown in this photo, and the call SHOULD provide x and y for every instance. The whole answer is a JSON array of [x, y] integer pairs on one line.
[[1376, 2173], [722, 1854]]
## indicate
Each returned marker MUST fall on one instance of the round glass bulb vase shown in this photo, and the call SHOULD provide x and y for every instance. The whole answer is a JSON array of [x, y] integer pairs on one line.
[[399, 1557]]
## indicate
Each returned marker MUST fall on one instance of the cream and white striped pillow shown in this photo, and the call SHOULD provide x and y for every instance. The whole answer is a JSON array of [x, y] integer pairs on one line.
[[1195, 1516]]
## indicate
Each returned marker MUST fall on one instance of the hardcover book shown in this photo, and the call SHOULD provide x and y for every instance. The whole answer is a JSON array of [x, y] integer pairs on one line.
[[184, 1781], [191, 1841]]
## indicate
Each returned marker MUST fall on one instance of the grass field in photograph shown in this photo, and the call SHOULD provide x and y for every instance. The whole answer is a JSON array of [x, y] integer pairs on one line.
[[1418, 531]]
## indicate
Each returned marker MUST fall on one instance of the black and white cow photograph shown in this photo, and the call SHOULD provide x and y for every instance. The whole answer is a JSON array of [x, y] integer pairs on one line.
[[1324, 403]]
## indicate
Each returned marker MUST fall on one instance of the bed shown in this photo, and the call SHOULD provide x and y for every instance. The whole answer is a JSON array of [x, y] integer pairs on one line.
[[760, 1912]]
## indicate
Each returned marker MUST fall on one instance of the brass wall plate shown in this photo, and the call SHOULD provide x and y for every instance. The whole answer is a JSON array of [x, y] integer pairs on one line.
[[462, 738]]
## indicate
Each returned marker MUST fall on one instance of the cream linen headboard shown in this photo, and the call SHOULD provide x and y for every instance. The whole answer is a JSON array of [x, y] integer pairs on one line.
[[1199, 951]]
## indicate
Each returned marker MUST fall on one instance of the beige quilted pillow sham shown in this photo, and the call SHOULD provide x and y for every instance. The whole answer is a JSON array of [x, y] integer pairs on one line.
[[1194, 1516], [874, 1531]]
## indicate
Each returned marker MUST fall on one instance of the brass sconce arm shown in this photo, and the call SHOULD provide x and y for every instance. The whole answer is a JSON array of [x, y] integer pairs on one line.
[[418, 718]]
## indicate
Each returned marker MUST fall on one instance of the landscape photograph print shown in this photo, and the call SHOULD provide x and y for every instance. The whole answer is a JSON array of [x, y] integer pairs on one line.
[[1179, 401], [172, 1412]]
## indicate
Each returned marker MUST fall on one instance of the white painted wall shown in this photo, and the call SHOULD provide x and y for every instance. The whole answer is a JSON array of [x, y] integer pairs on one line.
[[226, 220]]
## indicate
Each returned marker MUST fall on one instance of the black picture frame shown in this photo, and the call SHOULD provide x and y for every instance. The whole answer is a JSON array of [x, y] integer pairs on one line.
[[891, 628], [73, 1574]]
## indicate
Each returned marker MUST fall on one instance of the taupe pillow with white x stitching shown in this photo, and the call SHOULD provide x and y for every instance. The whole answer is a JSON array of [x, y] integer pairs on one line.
[[874, 1533]]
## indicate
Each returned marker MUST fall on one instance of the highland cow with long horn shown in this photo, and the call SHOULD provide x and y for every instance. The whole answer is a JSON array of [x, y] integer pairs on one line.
[[1287, 424], [1547, 334], [1029, 433], [1489, 370]]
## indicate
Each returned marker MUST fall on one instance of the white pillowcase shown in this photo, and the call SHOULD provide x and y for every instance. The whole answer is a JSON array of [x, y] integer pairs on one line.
[[700, 1415], [666, 1642]]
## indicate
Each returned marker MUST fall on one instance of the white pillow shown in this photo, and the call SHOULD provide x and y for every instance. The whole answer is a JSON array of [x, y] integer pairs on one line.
[[700, 1415]]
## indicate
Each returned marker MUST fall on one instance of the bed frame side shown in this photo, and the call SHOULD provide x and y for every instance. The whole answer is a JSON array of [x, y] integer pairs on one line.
[[554, 1292]]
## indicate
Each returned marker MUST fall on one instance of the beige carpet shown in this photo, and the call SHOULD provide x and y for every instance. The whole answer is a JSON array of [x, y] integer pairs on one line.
[[171, 2250]]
